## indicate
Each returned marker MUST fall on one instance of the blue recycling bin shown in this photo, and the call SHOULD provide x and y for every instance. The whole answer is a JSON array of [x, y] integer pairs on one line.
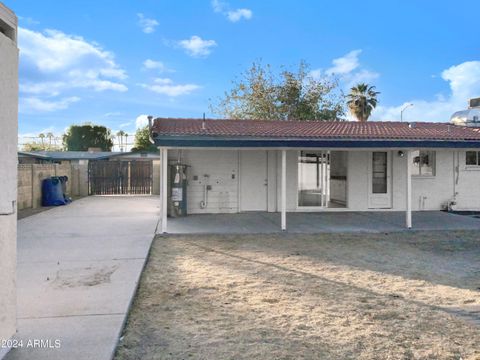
[[52, 192]]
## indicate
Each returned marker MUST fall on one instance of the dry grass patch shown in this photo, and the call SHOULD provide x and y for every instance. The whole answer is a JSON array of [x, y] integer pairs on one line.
[[326, 296]]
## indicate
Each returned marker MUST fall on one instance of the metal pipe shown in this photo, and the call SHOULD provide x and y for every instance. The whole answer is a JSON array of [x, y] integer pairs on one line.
[[284, 191], [408, 213], [164, 166]]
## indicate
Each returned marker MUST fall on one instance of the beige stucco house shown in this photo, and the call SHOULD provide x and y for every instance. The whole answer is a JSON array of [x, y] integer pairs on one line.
[[8, 175]]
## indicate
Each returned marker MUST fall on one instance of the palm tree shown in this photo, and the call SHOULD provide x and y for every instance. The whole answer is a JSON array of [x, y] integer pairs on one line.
[[126, 141], [362, 100], [120, 135], [42, 136], [50, 137]]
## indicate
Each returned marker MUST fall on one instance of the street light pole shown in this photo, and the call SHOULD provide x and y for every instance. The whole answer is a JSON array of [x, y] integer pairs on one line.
[[403, 109]]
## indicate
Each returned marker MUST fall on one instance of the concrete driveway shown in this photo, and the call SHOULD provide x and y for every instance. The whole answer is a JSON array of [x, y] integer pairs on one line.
[[78, 268]]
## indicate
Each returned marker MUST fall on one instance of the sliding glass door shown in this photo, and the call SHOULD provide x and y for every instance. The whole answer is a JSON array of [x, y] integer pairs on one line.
[[322, 179], [313, 178]]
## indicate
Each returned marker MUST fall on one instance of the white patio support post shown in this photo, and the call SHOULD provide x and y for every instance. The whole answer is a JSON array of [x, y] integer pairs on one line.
[[284, 190], [408, 171], [163, 188]]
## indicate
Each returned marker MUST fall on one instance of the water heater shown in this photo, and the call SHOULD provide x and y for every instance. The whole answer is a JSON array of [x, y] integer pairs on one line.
[[178, 190]]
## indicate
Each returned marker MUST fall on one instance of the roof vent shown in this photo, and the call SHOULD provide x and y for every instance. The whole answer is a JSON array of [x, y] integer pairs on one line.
[[469, 117]]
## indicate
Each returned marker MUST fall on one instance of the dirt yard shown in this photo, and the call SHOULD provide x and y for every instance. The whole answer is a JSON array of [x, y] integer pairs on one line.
[[328, 296]]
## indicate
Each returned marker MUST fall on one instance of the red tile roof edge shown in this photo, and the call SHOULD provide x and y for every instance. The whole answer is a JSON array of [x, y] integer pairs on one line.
[[309, 129]]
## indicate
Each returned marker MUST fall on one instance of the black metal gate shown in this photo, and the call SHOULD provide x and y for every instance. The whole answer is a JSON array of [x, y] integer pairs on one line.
[[119, 177]]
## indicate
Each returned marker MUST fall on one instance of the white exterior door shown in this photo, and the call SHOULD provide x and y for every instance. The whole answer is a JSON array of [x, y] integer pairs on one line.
[[379, 180], [253, 180]]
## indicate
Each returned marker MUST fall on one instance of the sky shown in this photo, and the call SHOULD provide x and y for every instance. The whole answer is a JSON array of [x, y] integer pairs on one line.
[[114, 62]]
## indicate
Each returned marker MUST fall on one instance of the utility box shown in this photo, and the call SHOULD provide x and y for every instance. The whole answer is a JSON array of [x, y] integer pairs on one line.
[[178, 190]]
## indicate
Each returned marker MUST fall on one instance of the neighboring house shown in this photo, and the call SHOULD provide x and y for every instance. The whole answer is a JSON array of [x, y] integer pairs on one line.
[[40, 157], [8, 173], [28, 157], [299, 166]]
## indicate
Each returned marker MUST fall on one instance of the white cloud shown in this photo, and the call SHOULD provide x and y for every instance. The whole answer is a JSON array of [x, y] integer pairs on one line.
[[28, 20], [232, 15], [148, 25], [167, 87], [141, 121], [237, 15], [112, 114], [361, 76], [54, 51], [150, 64], [464, 83], [197, 47], [124, 125], [345, 64], [464, 79], [348, 69], [52, 62], [218, 6], [34, 104], [163, 81], [316, 74]]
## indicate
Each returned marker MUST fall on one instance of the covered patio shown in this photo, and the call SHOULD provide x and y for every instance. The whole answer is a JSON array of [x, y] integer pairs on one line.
[[371, 176], [327, 222]]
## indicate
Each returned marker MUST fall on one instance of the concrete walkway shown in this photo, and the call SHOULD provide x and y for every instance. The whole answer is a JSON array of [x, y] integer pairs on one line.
[[326, 222], [78, 267]]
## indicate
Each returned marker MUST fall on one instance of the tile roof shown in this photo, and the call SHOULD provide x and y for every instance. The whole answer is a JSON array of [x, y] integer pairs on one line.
[[374, 130]]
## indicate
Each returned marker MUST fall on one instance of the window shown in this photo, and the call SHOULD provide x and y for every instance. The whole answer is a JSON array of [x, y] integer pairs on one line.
[[379, 172], [423, 163], [472, 158]]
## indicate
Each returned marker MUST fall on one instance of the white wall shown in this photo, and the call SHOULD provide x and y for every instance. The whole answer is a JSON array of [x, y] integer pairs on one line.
[[428, 193], [468, 185], [8, 176], [357, 179], [221, 166]]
